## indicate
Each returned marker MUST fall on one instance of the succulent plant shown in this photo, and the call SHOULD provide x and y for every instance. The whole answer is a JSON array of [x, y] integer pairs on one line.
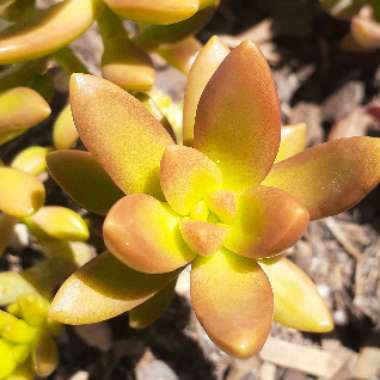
[[27, 347], [364, 17], [228, 203], [59, 232], [35, 37]]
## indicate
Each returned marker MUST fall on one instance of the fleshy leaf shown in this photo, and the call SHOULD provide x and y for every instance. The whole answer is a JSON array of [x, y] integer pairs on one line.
[[44, 277], [103, 289], [332, 177], [223, 204], [147, 313], [46, 31], [233, 300], [21, 194], [78, 173], [31, 160], [154, 12], [21, 108], [238, 118], [23, 372], [64, 132], [293, 141], [152, 36], [182, 54], [366, 32], [267, 221], [45, 356], [186, 177], [203, 237], [144, 233], [121, 134], [123, 62], [297, 303], [8, 362], [59, 223], [208, 60]]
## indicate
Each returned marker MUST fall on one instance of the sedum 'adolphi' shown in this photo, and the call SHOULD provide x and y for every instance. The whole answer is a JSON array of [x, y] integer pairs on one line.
[[227, 204]]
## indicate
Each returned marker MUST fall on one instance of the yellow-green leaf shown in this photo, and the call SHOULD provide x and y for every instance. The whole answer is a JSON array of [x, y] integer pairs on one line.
[[59, 223], [123, 62], [47, 31], [65, 134], [154, 12], [297, 303], [21, 194], [152, 36], [181, 55], [21, 108], [31, 160]]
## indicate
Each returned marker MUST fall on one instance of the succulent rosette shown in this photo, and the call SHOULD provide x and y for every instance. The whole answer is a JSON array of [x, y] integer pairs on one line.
[[228, 203]]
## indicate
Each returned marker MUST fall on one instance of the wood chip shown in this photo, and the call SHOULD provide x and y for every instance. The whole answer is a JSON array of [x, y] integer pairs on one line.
[[305, 359], [368, 364]]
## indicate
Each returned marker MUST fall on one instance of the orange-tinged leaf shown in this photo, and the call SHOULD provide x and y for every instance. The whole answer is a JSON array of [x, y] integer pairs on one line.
[[21, 194], [147, 313], [293, 141], [267, 221], [205, 65], [21, 108], [233, 300], [65, 134], [144, 233], [203, 237], [103, 289], [182, 54], [152, 36], [59, 223], [297, 303], [154, 12], [46, 31], [238, 118], [118, 130], [186, 177], [223, 204], [366, 32], [31, 160], [123, 62], [332, 177], [78, 173]]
